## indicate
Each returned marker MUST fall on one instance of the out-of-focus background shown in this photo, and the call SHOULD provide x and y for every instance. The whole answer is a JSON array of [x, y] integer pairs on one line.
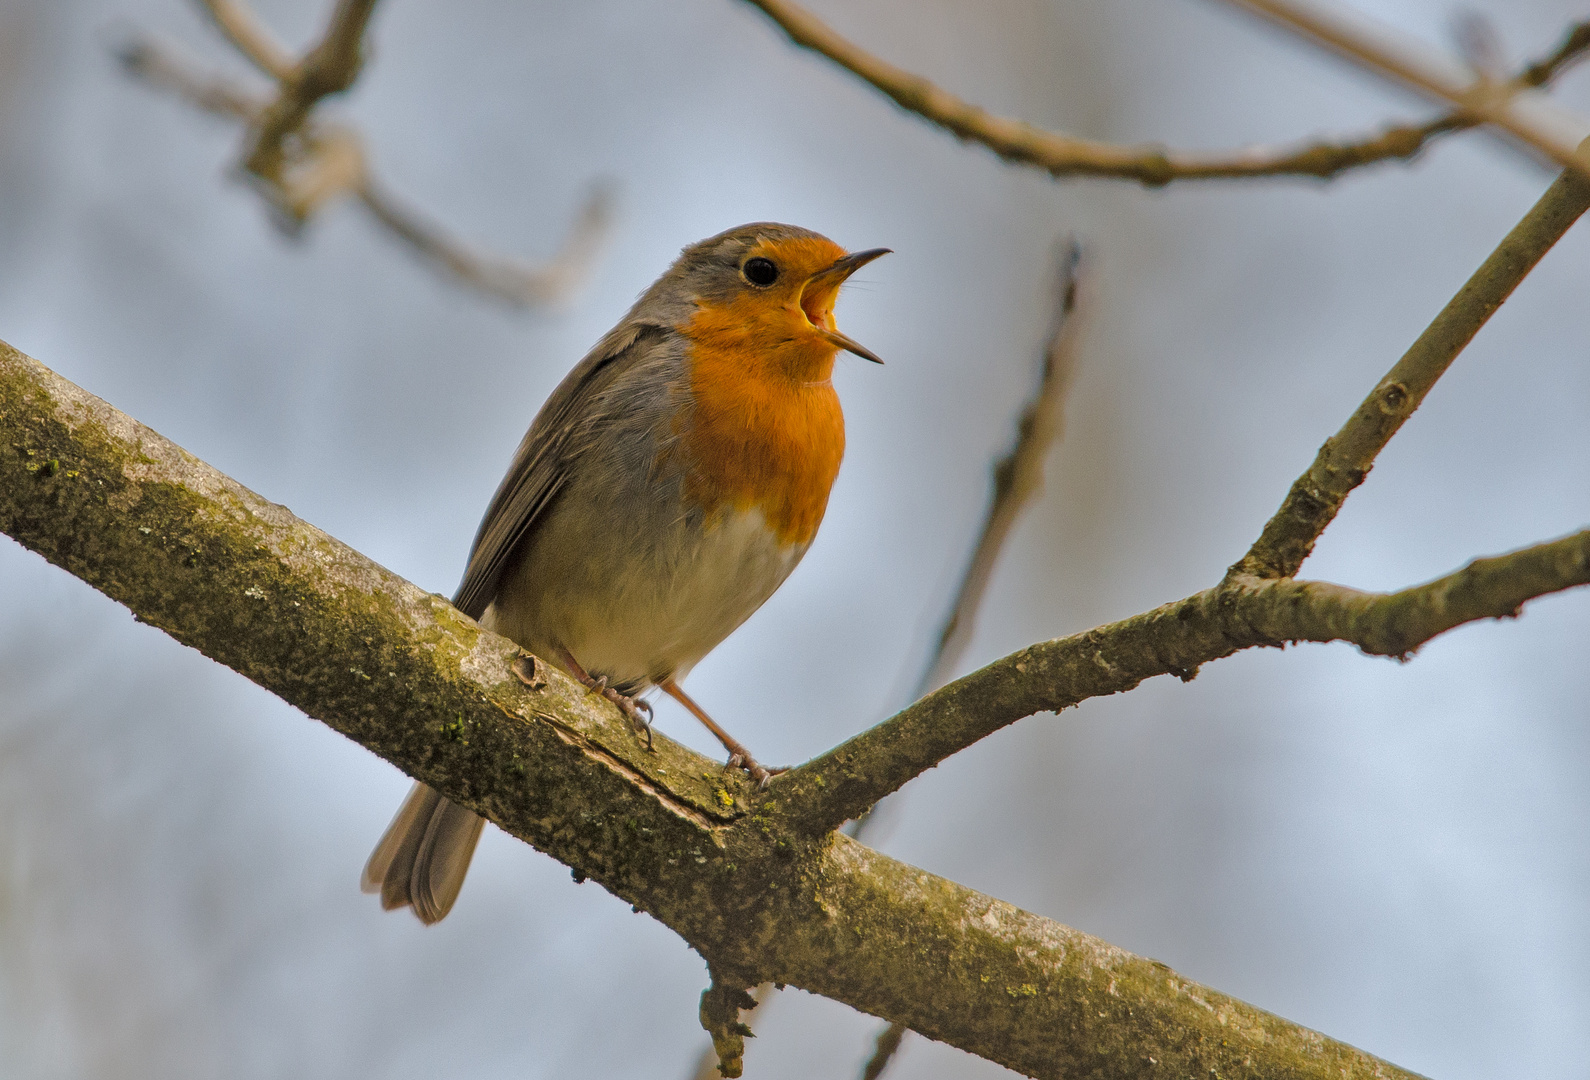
[[1394, 854]]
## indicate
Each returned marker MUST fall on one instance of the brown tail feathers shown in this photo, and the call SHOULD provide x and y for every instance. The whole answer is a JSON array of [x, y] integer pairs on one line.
[[423, 857]]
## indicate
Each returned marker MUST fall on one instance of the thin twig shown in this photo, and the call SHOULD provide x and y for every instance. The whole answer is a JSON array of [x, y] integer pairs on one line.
[[252, 38], [330, 161], [1346, 458], [707, 1064], [159, 66], [511, 279], [1526, 117], [1065, 155], [1573, 47], [883, 1050]]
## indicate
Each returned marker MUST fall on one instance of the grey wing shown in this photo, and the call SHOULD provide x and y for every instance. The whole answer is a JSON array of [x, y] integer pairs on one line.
[[540, 467]]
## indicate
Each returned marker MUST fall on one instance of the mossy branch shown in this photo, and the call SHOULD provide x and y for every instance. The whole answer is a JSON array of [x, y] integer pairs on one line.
[[406, 675]]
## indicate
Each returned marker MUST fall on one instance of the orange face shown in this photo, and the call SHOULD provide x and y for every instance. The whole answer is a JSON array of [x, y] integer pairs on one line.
[[781, 319], [766, 431]]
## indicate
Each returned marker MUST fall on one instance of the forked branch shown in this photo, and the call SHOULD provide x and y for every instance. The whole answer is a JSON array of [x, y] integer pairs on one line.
[[1474, 95], [1176, 639], [1346, 458], [1256, 604], [329, 160]]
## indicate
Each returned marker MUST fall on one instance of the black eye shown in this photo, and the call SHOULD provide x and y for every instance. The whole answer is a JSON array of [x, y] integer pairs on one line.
[[760, 271]]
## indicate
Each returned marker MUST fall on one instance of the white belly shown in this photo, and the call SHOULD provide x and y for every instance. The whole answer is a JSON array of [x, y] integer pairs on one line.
[[644, 601]]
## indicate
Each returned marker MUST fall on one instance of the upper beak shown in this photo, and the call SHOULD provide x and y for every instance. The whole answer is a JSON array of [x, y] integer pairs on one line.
[[831, 279]]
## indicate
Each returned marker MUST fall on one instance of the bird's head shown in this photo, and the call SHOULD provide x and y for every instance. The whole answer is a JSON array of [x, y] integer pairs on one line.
[[769, 289]]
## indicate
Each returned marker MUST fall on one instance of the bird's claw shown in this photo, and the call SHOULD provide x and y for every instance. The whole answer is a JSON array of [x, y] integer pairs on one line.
[[741, 759], [636, 711]]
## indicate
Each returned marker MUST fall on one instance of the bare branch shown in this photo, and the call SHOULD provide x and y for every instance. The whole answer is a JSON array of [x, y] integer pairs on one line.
[[158, 65], [1572, 49], [331, 67], [1065, 155], [513, 280], [1178, 638], [1346, 458], [405, 674], [329, 161], [883, 1050], [1532, 121], [1397, 624]]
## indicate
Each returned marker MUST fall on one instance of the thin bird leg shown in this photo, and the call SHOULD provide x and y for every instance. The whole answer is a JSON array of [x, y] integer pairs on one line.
[[739, 756], [638, 712]]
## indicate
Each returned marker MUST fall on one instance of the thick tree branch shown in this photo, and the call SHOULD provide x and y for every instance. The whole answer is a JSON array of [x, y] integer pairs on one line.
[[405, 674], [1347, 457], [1065, 155], [1179, 637], [329, 160]]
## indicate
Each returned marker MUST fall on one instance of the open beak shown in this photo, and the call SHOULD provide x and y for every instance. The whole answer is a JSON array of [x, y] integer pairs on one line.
[[822, 285]]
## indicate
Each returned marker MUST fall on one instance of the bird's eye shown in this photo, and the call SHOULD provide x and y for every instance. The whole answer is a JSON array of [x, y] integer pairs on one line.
[[760, 272]]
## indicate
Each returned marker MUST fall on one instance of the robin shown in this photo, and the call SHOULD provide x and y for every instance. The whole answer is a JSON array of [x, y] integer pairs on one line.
[[667, 487]]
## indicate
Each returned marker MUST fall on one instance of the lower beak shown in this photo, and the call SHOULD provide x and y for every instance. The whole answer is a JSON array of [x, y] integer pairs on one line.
[[830, 280]]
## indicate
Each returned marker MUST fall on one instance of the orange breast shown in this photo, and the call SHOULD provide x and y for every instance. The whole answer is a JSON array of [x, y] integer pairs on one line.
[[766, 431]]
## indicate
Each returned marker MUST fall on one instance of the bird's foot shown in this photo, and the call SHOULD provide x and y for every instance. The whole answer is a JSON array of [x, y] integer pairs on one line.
[[635, 710], [740, 758]]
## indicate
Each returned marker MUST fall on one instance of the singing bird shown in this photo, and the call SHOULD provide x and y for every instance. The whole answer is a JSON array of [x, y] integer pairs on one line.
[[667, 487]]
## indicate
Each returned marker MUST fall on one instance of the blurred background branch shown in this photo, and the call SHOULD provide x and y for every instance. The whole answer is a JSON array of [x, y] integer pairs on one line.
[[331, 67], [1476, 94], [1064, 155], [300, 162]]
